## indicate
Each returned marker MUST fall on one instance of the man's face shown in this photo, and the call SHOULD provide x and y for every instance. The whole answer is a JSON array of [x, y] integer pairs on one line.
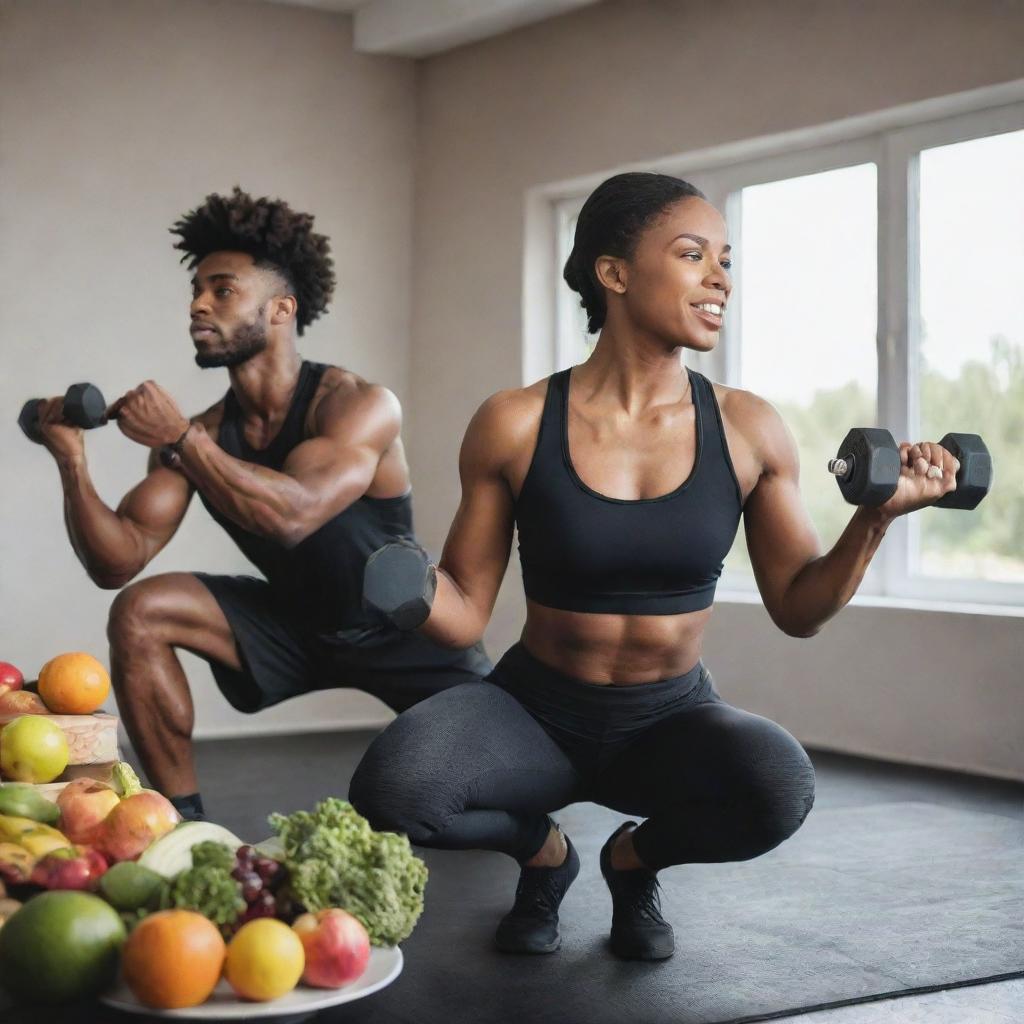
[[230, 295]]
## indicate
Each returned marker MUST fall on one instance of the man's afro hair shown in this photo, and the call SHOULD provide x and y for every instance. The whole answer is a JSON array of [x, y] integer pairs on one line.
[[270, 231]]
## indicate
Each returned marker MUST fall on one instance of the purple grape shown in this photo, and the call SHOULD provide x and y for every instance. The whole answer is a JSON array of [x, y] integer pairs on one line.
[[267, 869], [252, 886], [239, 873], [268, 902], [245, 855]]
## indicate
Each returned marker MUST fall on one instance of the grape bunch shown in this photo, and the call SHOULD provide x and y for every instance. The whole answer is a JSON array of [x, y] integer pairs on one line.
[[260, 879]]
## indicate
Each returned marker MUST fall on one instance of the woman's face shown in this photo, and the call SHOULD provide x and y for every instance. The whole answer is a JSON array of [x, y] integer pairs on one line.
[[677, 284]]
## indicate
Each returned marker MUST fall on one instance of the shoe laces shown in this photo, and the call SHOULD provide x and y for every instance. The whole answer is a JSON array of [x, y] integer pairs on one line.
[[539, 893], [641, 898]]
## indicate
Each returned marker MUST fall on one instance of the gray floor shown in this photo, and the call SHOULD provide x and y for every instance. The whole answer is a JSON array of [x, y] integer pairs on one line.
[[242, 779], [848, 781]]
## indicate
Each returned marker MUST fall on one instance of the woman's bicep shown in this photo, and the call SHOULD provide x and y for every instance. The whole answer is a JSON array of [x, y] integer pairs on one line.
[[781, 538]]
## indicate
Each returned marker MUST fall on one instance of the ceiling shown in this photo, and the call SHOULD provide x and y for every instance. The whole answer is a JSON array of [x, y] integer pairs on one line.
[[420, 28]]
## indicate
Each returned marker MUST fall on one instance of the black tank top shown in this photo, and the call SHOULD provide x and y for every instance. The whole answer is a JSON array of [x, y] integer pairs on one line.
[[585, 552], [321, 578]]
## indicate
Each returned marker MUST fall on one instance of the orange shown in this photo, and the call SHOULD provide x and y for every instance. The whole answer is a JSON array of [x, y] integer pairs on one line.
[[73, 684], [265, 960], [173, 959]]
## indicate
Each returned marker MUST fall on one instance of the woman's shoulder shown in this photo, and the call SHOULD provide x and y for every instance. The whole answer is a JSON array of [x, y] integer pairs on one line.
[[506, 423], [757, 421]]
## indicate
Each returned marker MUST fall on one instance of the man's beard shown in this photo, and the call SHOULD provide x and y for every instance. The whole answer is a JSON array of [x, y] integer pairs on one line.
[[248, 341]]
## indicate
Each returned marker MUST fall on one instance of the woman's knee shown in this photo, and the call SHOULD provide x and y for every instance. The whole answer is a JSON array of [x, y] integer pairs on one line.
[[405, 782], [780, 782]]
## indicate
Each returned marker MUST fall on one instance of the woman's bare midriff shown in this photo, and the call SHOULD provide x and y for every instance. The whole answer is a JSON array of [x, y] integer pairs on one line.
[[622, 650]]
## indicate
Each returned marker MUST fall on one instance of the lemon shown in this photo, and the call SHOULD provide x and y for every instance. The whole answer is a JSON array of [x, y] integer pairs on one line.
[[265, 960], [33, 749]]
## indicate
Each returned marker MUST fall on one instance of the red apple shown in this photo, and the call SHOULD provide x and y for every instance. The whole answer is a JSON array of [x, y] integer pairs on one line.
[[134, 823], [77, 867], [336, 945], [10, 677], [84, 805]]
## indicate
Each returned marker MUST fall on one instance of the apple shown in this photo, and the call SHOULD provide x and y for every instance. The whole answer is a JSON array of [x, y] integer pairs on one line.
[[10, 677], [84, 805], [336, 945], [21, 702], [134, 823], [77, 867]]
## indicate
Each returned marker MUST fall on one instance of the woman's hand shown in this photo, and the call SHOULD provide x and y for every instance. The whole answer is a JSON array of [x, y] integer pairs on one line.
[[927, 473]]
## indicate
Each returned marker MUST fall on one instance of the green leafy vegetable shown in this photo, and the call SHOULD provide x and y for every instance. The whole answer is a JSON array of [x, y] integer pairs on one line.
[[335, 859], [207, 887]]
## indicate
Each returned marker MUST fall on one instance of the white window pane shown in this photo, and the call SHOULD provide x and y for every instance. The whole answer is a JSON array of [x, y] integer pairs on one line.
[[808, 317], [972, 345]]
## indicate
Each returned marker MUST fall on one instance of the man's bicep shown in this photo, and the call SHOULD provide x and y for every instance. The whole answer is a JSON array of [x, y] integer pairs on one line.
[[155, 507]]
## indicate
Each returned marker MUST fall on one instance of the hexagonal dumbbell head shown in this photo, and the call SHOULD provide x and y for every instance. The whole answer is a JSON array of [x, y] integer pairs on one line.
[[974, 480], [84, 406], [872, 466], [399, 582]]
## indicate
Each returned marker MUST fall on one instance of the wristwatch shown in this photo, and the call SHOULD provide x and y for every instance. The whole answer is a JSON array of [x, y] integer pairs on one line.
[[170, 454]]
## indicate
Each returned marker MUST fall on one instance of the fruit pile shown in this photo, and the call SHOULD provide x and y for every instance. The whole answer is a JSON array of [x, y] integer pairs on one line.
[[111, 883], [33, 748]]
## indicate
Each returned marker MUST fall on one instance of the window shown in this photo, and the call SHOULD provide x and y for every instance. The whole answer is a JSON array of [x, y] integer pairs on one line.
[[878, 281]]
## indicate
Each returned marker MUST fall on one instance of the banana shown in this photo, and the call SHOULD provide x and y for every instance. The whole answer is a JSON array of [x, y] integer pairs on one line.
[[16, 862], [41, 843], [16, 830]]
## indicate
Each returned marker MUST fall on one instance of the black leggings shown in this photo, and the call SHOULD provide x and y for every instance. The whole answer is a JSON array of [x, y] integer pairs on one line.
[[479, 766]]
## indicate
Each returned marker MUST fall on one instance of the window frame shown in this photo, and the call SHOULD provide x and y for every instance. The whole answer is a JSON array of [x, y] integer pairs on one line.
[[893, 141]]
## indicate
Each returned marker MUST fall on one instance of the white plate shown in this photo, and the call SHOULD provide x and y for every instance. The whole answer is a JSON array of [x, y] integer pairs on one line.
[[385, 965]]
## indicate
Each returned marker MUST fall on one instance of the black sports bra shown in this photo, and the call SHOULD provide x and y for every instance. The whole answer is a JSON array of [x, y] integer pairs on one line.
[[586, 552]]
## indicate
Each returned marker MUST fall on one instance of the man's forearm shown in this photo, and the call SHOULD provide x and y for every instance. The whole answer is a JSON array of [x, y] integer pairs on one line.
[[259, 500], [826, 585], [100, 539]]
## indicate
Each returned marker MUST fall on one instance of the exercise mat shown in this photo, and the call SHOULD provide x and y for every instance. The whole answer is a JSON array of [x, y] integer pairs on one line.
[[862, 903]]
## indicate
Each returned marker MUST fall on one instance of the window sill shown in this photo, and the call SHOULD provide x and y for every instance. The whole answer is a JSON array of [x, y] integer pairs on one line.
[[735, 596]]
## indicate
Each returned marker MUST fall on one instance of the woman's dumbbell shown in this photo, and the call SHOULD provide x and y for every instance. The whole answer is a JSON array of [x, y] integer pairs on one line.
[[83, 407], [867, 468]]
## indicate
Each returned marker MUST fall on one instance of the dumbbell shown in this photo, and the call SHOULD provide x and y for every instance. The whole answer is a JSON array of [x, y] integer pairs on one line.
[[83, 407], [399, 583], [867, 468]]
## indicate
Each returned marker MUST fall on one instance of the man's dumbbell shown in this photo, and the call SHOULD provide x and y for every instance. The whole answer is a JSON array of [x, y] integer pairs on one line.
[[83, 407], [399, 583], [867, 468]]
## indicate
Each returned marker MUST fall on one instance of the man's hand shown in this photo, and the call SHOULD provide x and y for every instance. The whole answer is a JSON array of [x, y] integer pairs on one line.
[[927, 472], [62, 440], [149, 416]]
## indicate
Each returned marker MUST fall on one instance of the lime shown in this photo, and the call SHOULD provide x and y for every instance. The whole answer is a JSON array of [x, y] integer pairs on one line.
[[59, 946], [130, 886]]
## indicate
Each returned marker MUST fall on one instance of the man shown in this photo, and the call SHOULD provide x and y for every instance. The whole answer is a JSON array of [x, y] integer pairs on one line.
[[301, 463]]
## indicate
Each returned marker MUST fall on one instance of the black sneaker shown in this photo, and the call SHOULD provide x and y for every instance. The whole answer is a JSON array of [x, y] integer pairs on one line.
[[531, 926], [639, 932]]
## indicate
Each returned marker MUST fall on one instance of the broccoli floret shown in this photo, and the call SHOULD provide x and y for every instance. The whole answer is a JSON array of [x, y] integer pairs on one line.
[[335, 859]]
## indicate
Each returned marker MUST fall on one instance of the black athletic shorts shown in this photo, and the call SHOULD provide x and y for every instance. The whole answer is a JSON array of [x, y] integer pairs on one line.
[[283, 657]]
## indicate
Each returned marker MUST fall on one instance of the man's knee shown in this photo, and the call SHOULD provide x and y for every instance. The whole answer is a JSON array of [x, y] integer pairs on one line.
[[132, 615]]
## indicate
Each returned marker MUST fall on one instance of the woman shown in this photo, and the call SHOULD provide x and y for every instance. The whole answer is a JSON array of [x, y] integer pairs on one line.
[[627, 477]]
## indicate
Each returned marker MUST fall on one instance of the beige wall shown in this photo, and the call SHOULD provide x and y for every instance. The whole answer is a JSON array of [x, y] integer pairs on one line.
[[626, 82], [115, 117]]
